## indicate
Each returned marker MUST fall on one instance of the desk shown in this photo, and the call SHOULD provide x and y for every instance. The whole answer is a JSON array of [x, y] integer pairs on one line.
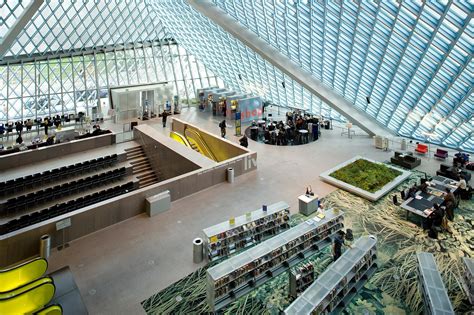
[[308, 204], [440, 183], [417, 206]]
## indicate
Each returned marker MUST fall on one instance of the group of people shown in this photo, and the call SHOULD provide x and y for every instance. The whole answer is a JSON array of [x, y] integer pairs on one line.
[[440, 214]]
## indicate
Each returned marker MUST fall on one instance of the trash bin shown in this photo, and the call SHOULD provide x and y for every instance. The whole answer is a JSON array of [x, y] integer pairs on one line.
[[230, 175], [45, 246], [197, 250], [404, 145]]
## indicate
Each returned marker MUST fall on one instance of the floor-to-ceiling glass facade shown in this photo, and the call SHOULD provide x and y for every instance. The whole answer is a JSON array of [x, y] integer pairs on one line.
[[77, 83]]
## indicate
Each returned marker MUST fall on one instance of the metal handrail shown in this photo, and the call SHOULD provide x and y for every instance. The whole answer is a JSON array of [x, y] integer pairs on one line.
[[196, 137]]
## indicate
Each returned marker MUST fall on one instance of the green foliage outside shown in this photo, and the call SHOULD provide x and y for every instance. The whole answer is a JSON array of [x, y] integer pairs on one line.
[[366, 175]]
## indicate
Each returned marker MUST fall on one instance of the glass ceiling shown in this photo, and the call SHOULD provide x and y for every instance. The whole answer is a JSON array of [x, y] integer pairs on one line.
[[407, 64], [65, 26]]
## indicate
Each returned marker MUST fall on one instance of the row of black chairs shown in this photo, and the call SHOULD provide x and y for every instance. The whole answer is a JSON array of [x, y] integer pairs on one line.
[[63, 208], [23, 202], [30, 181]]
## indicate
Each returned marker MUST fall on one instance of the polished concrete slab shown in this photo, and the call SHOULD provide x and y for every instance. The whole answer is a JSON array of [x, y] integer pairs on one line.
[[116, 268]]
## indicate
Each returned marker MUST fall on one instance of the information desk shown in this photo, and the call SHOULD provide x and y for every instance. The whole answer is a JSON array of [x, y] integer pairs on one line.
[[308, 204], [420, 203]]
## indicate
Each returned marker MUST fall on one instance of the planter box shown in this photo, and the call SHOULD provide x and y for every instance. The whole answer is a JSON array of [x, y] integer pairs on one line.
[[325, 176]]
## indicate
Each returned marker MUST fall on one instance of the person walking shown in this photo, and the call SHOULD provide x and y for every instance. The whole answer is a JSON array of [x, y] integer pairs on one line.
[[164, 117], [244, 141], [222, 125]]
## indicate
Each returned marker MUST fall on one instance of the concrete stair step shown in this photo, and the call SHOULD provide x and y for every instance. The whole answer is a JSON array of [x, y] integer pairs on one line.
[[134, 149], [139, 160]]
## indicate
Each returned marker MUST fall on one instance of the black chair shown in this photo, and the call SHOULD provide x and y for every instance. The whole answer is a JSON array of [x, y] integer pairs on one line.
[[403, 195]]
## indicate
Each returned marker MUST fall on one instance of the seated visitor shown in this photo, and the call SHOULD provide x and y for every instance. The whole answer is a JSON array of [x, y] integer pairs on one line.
[[423, 187], [435, 221], [412, 192]]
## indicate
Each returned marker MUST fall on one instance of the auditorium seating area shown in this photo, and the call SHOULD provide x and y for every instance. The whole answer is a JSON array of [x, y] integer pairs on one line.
[[65, 207], [29, 181], [34, 198]]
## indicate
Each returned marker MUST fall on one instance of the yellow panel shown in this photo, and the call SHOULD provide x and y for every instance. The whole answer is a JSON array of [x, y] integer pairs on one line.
[[26, 287], [29, 301], [51, 310], [22, 274]]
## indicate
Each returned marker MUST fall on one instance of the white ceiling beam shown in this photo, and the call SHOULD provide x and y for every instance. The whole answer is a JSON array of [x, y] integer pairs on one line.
[[18, 26]]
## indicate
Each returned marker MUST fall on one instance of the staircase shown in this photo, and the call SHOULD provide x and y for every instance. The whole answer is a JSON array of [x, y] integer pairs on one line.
[[141, 167]]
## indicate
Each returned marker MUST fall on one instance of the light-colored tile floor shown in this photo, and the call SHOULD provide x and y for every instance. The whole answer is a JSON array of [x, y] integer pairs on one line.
[[120, 266]]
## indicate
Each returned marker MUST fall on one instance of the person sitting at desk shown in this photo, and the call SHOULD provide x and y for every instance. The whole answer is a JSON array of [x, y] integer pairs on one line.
[[435, 220], [450, 203], [423, 187], [412, 192]]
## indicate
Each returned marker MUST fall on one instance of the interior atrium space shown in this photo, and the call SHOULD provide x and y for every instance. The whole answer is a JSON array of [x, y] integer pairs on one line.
[[236, 157]]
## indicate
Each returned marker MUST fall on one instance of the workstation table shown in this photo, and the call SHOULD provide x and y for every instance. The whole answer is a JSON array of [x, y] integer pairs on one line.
[[440, 183], [421, 202]]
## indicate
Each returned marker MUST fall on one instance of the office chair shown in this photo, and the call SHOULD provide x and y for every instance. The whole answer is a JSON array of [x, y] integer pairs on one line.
[[403, 195], [395, 200]]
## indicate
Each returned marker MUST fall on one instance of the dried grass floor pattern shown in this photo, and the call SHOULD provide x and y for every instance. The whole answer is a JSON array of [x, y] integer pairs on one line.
[[393, 289]]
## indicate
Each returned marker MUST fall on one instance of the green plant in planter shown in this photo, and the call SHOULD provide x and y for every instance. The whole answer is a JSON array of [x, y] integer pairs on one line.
[[366, 175]]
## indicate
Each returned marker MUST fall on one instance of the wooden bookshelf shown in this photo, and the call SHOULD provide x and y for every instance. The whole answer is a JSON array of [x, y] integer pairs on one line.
[[240, 274], [300, 279], [434, 293], [224, 239], [468, 278], [340, 282]]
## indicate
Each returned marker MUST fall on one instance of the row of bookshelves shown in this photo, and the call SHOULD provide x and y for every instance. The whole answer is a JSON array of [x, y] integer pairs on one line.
[[468, 278], [300, 279], [435, 297], [239, 274], [337, 284], [226, 238]]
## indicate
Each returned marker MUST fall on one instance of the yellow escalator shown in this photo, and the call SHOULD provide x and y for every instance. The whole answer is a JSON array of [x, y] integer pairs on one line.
[[195, 139], [27, 299], [22, 274]]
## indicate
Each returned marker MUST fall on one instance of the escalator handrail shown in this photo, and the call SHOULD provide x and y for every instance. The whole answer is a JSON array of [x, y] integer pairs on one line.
[[204, 144], [185, 140]]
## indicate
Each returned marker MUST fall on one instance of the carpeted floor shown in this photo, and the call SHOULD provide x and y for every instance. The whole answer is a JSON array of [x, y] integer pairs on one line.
[[393, 289]]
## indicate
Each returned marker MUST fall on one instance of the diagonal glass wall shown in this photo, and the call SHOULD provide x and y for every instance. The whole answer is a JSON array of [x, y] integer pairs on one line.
[[238, 66], [77, 83], [408, 64]]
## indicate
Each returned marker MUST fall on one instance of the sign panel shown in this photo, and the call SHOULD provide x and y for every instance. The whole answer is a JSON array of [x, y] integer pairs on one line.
[[250, 108], [63, 224]]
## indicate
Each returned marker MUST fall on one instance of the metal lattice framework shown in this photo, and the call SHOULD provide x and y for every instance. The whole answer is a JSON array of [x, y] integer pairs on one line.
[[67, 26], [240, 67], [70, 52], [412, 59]]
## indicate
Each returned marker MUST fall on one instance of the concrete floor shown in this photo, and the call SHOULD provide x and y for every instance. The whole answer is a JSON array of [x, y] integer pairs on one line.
[[119, 267]]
